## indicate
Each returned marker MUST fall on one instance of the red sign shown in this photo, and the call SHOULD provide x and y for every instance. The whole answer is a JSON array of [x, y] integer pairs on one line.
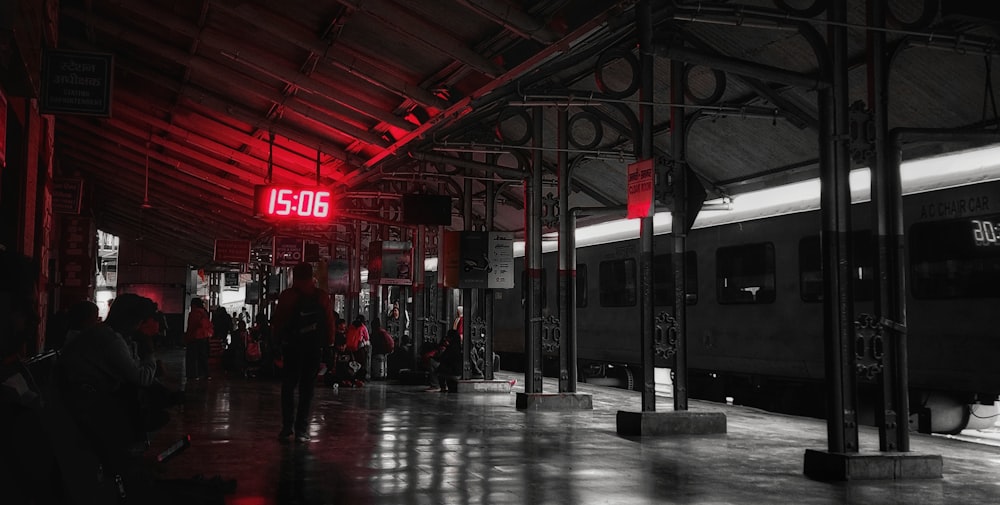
[[232, 251], [640, 189]]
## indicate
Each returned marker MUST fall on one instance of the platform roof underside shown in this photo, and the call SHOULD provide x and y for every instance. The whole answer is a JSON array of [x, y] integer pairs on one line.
[[374, 99]]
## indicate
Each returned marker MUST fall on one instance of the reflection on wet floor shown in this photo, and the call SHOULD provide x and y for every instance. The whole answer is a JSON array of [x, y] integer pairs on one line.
[[392, 444]]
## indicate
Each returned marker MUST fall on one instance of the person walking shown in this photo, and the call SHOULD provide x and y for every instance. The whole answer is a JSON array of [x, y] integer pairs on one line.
[[199, 330], [303, 324]]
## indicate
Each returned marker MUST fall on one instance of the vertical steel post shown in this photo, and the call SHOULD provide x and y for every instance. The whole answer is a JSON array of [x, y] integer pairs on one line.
[[838, 319], [417, 322], [488, 302], [468, 303], [679, 230], [533, 261], [896, 304], [890, 419], [569, 334], [644, 18], [354, 267], [567, 270], [444, 308]]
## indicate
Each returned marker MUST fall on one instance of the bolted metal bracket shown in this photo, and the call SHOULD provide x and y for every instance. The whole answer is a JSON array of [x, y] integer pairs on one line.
[[550, 211], [663, 186], [862, 133], [551, 334], [869, 347], [665, 337]]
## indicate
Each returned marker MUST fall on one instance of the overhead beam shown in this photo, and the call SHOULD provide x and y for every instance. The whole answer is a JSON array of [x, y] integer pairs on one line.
[[419, 29], [343, 58], [89, 154], [237, 50], [206, 100], [515, 20]]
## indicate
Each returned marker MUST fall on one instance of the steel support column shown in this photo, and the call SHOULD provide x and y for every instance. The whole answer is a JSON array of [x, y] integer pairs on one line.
[[354, 268], [488, 302], [835, 198], [679, 218], [892, 417], [647, 323], [417, 323], [533, 262], [468, 294], [567, 263]]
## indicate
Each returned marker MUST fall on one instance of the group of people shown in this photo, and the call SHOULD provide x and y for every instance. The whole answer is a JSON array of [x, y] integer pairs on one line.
[[305, 325]]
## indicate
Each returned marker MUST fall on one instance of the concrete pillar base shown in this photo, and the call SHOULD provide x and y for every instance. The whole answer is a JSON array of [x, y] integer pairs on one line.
[[554, 401], [484, 386], [837, 466], [675, 422]]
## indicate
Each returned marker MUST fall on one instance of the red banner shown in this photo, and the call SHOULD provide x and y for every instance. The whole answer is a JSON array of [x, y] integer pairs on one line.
[[640, 189]]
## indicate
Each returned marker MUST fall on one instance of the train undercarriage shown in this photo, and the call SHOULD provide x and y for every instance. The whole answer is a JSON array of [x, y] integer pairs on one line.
[[941, 412]]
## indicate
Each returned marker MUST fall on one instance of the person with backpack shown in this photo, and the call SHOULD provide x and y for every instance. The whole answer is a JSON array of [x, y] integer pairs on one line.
[[303, 325]]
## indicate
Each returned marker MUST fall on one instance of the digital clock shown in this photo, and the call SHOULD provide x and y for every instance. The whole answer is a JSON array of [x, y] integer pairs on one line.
[[986, 232], [292, 202]]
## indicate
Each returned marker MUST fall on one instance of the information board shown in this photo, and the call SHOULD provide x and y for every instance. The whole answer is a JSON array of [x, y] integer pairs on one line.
[[232, 251], [75, 82]]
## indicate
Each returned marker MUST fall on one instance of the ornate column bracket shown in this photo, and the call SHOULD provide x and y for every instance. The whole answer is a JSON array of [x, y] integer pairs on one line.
[[869, 347], [551, 334], [665, 336]]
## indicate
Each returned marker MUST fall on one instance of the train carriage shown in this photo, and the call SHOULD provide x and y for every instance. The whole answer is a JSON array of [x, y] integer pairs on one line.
[[755, 321]]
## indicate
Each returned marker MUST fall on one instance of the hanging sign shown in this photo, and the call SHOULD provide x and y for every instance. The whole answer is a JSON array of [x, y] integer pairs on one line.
[[67, 195], [232, 251], [288, 251], [481, 260], [640, 189], [502, 261], [75, 82], [389, 263]]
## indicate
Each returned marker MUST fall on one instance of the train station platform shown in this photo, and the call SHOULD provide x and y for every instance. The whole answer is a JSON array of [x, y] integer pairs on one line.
[[396, 444]]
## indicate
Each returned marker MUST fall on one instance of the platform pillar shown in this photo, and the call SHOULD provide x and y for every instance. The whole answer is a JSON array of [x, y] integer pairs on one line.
[[841, 466], [484, 386], [554, 401], [678, 422]]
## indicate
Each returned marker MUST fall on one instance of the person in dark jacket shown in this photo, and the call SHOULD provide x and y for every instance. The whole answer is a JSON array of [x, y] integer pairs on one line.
[[303, 325], [199, 331], [104, 371], [445, 362]]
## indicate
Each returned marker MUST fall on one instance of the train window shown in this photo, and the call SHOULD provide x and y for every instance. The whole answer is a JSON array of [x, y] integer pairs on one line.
[[663, 279], [811, 267], [617, 283], [959, 258], [525, 285], [581, 285], [745, 274]]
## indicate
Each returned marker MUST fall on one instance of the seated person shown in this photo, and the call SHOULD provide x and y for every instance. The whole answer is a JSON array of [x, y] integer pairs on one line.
[[105, 377], [342, 364], [445, 362]]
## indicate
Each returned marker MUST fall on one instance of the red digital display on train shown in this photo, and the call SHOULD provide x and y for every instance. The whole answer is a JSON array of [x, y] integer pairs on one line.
[[293, 202]]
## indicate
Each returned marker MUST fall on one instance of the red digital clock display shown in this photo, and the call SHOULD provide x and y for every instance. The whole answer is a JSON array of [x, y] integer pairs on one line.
[[292, 202]]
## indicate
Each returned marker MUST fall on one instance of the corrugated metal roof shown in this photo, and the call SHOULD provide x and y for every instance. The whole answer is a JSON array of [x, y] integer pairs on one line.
[[352, 88]]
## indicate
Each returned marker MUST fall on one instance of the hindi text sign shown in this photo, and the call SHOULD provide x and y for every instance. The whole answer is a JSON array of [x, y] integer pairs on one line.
[[640, 189]]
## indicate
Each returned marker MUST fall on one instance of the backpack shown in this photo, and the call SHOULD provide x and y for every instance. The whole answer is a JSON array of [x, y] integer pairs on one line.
[[308, 325], [383, 343]]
